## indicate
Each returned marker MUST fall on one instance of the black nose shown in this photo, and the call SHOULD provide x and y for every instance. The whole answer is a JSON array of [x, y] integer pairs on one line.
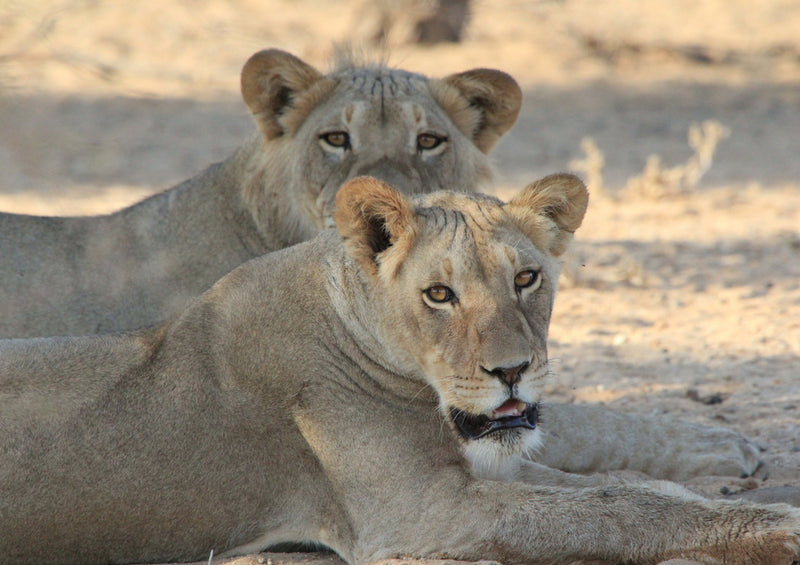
[[509, 375]]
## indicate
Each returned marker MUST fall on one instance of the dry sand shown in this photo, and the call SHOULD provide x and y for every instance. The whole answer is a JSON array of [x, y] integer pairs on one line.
[[680, 298]]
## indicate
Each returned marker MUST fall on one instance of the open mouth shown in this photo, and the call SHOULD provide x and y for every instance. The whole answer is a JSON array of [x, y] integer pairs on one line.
[[512, 413]]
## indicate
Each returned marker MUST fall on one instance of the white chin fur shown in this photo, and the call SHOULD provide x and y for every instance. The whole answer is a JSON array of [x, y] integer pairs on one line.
[[497, 461]]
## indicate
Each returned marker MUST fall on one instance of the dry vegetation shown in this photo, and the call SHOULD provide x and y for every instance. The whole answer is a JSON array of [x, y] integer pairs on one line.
[[682, 296]]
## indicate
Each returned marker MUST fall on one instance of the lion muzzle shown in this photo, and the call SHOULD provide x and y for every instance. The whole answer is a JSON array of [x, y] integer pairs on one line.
[[513, 413]]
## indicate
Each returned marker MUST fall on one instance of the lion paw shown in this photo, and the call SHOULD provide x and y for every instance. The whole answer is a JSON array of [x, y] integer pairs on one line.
[[778, 545], [714, 451]]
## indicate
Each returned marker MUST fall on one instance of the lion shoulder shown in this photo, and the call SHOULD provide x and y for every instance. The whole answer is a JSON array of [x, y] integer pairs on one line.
[[138, 267]]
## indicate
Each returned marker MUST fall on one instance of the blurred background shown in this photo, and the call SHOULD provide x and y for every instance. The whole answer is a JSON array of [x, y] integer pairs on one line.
[[107, 98], [682, 295]]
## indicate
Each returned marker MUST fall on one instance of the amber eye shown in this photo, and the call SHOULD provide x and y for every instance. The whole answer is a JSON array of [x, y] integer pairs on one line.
[[526, 279], [336, 139], [427, 141], [439, 293]]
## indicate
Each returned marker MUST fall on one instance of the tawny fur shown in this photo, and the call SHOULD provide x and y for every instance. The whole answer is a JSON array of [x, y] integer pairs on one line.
[[137, 267], [307, 396]]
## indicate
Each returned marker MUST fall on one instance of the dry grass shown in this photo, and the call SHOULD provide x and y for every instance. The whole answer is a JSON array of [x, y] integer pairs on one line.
[[591, 165], [654, 182], [657, 181], [667, 275]]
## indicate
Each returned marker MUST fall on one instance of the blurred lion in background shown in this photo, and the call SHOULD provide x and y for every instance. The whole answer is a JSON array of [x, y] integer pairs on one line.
[[138, 266]]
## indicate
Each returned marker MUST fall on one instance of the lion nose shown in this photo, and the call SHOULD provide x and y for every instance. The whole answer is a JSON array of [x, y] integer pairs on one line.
[[509, 375], [399, 175]]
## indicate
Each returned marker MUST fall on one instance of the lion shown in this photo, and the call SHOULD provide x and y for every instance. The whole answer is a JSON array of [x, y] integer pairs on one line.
[[375, 390], [133, 268]]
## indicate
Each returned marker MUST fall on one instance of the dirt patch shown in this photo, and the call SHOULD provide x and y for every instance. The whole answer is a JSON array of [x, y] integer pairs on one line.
[[684, 303]]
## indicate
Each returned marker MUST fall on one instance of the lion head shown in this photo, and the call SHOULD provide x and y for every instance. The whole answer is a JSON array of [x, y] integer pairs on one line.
[[464, 286], [319, 130]]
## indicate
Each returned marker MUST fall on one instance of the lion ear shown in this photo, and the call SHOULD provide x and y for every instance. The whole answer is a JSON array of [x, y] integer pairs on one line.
[[274, 81], [483, 103], [549, 211], [371, 217]]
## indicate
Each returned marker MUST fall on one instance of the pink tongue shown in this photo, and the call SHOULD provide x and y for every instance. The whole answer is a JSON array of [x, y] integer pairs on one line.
[[509, 408]]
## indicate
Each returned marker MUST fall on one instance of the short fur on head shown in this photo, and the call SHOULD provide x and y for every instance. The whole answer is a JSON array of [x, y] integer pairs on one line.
[[359, 397], [71, 276]]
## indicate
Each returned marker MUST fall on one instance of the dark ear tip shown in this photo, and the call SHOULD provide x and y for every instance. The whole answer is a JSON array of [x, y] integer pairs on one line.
[[252, 77], [498, 98], [267, 57], [508, 93]]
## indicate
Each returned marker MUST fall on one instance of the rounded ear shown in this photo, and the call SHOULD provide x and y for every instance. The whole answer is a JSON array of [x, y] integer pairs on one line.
[[483, 103], [274, 81], [549, 211], [371, 217]]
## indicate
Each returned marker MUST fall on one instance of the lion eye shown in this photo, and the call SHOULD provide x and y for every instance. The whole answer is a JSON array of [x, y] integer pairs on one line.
[[527, 279], [336, 139], [439, 293], [428, 141]]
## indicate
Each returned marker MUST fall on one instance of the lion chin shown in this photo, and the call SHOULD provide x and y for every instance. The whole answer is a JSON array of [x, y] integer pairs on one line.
[[496, 443]]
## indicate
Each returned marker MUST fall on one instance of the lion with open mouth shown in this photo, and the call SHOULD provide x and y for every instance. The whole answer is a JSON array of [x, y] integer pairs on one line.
[[357, 391]]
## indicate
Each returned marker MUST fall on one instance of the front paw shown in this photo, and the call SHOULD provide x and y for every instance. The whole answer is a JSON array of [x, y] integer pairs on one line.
[[768, 535], [713, 451]]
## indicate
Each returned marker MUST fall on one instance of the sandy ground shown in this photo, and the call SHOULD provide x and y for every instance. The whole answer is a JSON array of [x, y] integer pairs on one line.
[[681, 297]]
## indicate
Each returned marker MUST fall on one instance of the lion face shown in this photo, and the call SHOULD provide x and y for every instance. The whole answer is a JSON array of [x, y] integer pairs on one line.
[[414, 133], [466, 286], [384, 124]]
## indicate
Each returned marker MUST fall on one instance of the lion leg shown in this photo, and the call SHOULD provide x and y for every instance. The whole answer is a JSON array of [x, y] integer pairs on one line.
[[586, 439], [516, 523], [540, 475]]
